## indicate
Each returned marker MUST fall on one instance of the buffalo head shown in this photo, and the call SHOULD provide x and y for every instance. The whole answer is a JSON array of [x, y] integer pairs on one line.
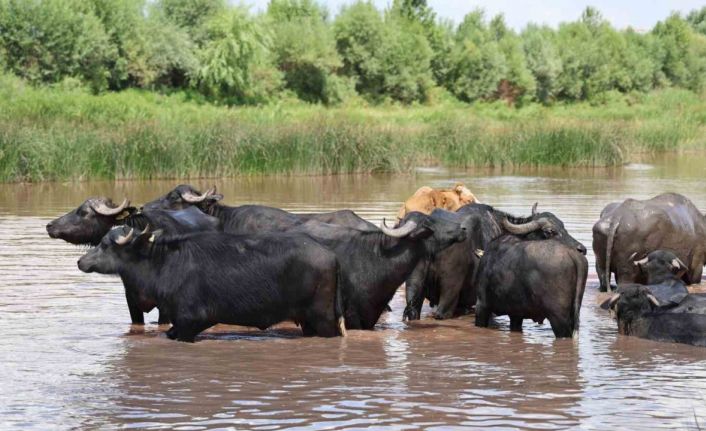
[[88, 223], [116, 248], [544, 225], [185, 196], [439, 229], [629, 304], [661, 266]]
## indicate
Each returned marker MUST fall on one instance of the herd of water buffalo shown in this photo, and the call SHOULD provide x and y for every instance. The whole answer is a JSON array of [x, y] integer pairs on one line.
[[201, 263]]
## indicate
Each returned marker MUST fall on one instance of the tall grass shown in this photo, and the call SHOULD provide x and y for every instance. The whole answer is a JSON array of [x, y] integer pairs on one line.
[[51, 134]]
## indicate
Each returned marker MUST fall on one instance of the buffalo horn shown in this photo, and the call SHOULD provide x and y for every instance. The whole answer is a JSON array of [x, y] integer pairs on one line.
[[521, 229], [678, 264], [399, 232], [641, 261], [103, 209], [653, 300], [193, 199], [613, 300], [122, 240], [534, 208]]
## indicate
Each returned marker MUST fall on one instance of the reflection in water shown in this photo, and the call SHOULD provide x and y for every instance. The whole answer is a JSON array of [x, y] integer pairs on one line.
[[70, 358]]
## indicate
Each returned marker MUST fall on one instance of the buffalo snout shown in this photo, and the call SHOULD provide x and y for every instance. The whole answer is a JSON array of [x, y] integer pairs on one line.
[[51, 230]]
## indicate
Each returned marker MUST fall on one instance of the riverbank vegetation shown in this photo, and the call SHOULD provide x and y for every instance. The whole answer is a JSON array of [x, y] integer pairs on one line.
[[50, 134], [178, 88]]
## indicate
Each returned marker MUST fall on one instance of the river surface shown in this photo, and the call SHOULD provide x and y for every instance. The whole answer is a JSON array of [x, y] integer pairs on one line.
[[69, 358]]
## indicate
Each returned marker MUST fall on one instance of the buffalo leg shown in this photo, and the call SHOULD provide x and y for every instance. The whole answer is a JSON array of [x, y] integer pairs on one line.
[[601, 275], [136, 314], [482, 315], [163, 318], [516, 324], [448, 300], [561, 327], [414, 292], [187, 330]]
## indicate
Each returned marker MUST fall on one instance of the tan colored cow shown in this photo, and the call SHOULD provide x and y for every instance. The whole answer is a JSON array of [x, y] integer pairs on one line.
[[425, 199]]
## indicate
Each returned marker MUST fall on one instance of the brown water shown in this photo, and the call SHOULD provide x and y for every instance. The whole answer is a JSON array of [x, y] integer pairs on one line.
[[70, 359]]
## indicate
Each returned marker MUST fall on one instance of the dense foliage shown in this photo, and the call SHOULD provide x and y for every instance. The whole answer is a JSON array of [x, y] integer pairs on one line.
[[216, 51]]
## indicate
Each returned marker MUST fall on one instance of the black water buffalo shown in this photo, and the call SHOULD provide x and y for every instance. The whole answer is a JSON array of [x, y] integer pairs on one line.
[[664, 272], [634, 228], [209, 278], [447, 277], [93, 219], [531, 279], [375, 264], [642, 314], [251, 218]]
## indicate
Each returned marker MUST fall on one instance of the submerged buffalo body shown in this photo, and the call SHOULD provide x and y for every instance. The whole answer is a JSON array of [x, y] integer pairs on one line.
[[446, 279], [630, 230], [662, 310], [641, 314], [375, 264], [531, 279], [251, 218], [209, 278], [93, 219]]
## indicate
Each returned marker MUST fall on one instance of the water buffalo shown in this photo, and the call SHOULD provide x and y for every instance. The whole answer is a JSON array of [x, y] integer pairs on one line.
[[209, 278], [426, 199], [642, 314], [250, 218], [93, 219], [635, 228], [375, 264], [447, 278], [531, 279]]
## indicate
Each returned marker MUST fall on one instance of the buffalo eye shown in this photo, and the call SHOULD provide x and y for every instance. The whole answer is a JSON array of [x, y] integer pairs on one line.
[[549, 232]]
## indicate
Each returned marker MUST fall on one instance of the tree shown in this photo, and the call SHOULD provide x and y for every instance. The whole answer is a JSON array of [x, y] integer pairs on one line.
[[679, 54], [477, 63], [235, 64], [518, 82], [304, 49], [697, 20], [192, 15], [386, 57], [543, 61], [46, 41]]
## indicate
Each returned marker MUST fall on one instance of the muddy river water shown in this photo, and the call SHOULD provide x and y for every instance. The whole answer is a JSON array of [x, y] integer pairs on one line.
[[69, 357]]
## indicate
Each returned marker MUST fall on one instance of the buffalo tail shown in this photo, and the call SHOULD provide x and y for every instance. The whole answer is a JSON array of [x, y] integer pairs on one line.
[[609, 251]]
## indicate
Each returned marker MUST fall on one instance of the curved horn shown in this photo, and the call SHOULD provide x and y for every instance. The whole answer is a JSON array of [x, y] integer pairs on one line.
[[653, 300], [194, 199], [678, 264], [614, 299], [103, 209], [122, 240], [534, 208], [399, 232], [521, 229], [641, 261]]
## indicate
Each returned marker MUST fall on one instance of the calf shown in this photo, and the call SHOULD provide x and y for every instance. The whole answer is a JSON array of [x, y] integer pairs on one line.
[[210, 278]]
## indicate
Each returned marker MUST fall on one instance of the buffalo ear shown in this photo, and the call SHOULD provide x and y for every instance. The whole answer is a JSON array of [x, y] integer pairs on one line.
[[215, 197]]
